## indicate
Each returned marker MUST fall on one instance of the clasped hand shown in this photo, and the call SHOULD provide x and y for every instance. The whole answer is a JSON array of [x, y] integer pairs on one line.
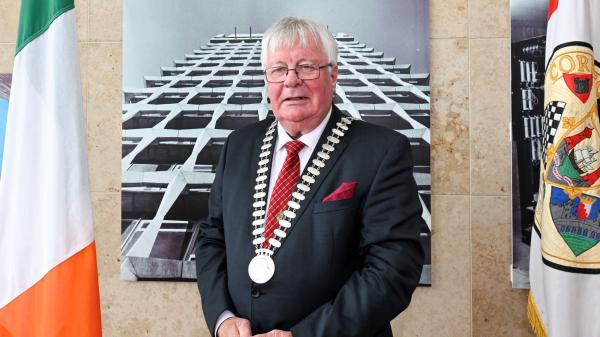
[[240, 327]]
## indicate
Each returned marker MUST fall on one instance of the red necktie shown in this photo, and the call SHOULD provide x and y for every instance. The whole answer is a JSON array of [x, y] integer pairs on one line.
[[285, 185]]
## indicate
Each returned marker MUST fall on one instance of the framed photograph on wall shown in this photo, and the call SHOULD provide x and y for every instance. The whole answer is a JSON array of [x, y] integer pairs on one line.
[[192, 75]]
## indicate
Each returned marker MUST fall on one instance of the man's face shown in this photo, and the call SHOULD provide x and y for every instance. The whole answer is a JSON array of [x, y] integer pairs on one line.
[[300, 105]]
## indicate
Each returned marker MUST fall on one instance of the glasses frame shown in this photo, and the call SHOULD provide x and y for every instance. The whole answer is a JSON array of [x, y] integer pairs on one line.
[[287, 70]]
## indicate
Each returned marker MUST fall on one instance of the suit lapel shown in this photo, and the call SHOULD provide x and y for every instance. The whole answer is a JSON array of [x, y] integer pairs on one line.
[[258, 142]]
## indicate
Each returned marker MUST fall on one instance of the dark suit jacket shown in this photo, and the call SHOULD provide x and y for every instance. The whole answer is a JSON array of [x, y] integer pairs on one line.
[[346, 268]]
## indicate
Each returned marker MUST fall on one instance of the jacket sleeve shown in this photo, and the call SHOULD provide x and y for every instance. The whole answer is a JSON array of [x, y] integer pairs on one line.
[[391, 253], [211, 264]]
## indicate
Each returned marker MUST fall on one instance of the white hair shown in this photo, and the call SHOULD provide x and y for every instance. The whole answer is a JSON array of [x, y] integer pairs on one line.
[[290, 31]]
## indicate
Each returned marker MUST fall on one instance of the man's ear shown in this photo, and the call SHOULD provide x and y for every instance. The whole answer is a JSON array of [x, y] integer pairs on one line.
[[334, 75]]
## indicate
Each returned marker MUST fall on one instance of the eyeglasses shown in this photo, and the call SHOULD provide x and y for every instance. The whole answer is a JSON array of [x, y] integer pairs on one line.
[[303, 71]]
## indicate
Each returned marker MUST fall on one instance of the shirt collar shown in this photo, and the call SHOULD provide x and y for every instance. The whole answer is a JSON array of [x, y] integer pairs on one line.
[[310, 139]]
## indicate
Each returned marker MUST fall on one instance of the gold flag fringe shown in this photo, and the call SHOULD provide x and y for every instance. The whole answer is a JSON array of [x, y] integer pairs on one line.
[[537, 325]]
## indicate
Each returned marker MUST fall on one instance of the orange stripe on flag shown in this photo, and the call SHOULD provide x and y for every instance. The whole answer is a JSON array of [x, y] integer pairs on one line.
[[65, 302]]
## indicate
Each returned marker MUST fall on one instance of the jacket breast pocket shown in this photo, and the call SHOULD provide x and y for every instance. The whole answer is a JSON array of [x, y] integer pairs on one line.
[[331, 206]]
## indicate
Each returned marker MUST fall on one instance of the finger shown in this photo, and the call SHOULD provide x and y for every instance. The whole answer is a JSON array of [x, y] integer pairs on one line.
[[245, 329]]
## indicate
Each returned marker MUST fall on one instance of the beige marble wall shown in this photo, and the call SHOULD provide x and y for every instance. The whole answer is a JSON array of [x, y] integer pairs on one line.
[[471, 293]]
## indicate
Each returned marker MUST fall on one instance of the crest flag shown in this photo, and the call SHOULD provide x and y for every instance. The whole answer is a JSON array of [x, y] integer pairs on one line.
[[564, 267]]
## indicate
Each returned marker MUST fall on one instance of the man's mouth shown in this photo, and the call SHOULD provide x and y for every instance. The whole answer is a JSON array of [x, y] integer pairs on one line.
[[298, 98]]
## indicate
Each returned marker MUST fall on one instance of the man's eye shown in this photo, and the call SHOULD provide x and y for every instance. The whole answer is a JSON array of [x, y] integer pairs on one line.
[[306, 67], [278, 71]]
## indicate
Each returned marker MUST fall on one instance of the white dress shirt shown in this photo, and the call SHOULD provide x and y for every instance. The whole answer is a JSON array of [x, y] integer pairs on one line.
[[310, 141]]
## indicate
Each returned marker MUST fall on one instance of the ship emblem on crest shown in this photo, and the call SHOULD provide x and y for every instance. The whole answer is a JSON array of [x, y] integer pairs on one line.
[[575, 161]]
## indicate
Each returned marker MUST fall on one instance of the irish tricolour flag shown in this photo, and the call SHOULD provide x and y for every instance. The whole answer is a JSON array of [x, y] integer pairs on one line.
[[48, 275]]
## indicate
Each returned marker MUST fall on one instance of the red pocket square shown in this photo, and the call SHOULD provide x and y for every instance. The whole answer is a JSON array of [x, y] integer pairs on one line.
[[344, 192]]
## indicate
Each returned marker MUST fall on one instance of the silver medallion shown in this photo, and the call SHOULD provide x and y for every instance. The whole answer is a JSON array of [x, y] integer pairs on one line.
[[261, 268]]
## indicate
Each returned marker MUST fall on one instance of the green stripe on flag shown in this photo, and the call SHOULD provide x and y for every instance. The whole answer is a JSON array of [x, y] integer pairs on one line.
[[36, 16]]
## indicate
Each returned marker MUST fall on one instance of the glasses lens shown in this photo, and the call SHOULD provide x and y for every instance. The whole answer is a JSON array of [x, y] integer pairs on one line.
[[307, 71], [303, 71], [276, 74]]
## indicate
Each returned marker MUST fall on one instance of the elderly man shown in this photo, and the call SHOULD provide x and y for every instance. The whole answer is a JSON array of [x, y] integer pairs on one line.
[[313, 217]]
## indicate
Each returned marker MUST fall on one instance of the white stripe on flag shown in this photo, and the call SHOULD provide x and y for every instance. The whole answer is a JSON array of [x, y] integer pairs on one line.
[[567, 25], [45, 209]]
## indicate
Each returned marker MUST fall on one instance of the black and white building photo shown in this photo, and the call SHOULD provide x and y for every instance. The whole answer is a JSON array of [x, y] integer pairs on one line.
[[528, 43], [175, 123]]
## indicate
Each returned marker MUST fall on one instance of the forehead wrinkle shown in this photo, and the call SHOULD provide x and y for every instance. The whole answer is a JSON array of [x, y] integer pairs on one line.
[[301, 42], [300, 61]]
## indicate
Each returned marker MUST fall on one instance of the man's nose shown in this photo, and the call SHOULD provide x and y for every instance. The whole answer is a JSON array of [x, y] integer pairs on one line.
[[292, 79]]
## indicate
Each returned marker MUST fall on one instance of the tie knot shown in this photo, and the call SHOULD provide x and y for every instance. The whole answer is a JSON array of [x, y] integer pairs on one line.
[[293, 147]]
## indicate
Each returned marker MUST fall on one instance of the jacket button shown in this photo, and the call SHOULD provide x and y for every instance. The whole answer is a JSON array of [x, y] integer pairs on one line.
[[254, 292]]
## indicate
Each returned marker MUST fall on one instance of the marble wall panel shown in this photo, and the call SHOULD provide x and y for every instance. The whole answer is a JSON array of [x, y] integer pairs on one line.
[[7, 53], [449, 298], [102, 62], [498, 310], [448, 18], [152, 309], [9, 20], [106, 20], [82, 7], [450, 116], [489, 106], [489, 18]]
